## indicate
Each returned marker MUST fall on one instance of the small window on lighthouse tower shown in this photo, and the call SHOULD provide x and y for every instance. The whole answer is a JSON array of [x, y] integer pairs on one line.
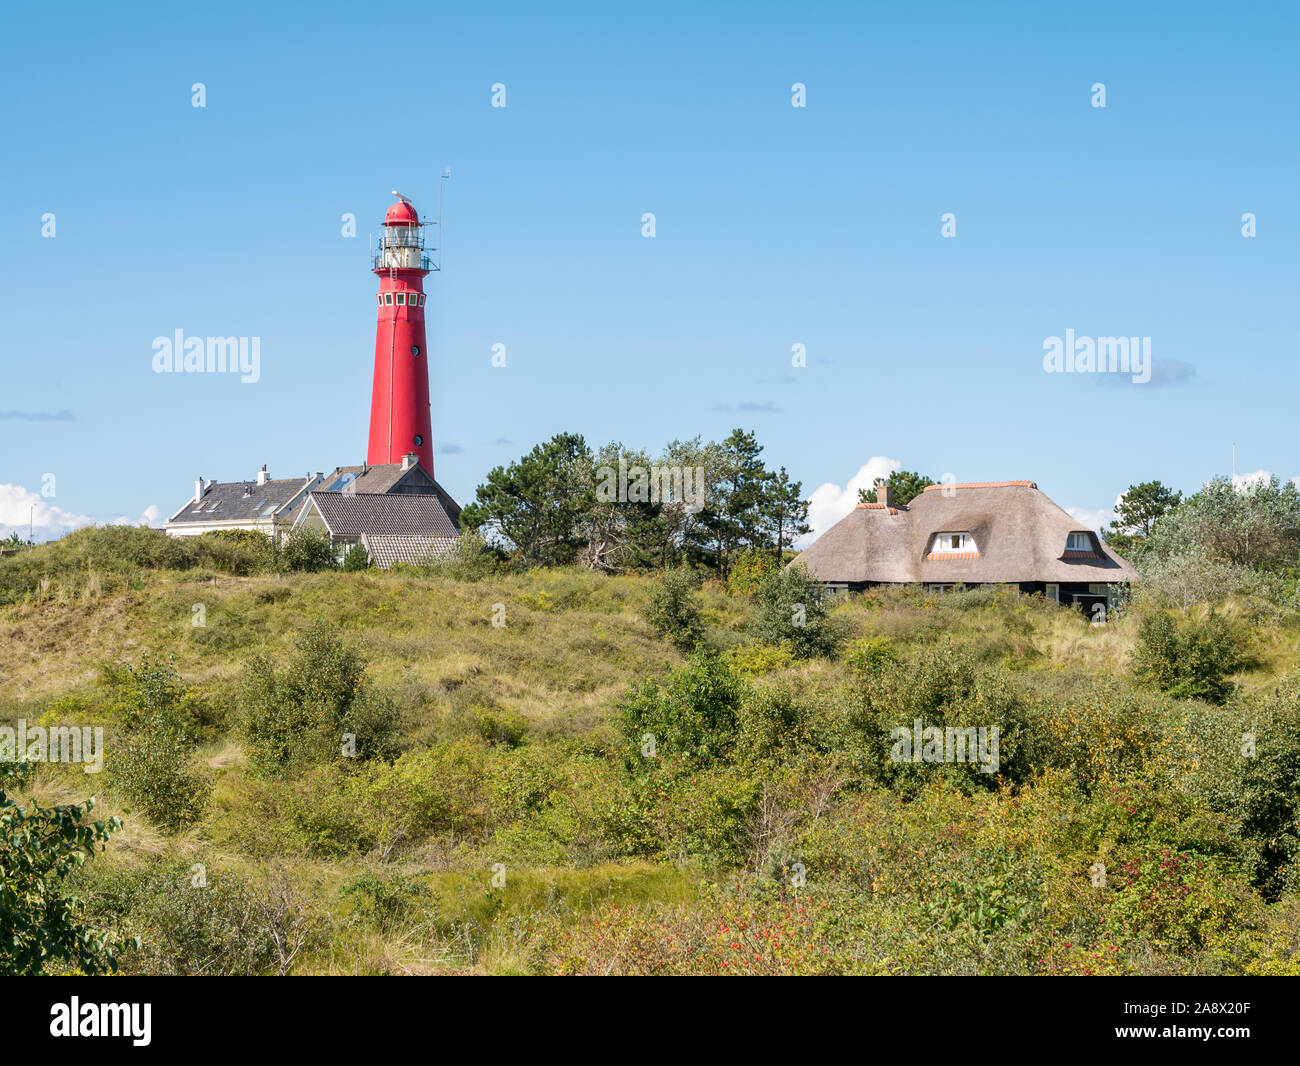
[[401, 299], [388, 299], [422, 299], [379, 297]]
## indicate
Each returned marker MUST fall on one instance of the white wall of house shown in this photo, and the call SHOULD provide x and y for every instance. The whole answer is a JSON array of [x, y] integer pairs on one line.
[[269, 526]]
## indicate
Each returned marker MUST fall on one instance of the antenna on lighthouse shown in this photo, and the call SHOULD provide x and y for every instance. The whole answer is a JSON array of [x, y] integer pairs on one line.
[[401, 197], [444, 176]]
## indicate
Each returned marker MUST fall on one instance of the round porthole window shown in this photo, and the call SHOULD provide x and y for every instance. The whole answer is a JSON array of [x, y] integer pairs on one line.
[[418, 440], [415, 349]]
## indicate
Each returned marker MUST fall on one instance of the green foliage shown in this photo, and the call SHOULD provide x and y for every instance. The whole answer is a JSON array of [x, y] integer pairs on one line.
[[1189, 661], [945, 689], [301, 715], [356, 558], [1255, 526], [470, 558], [538, 504], [672, 610], [235, 551], [1139, 507], [904, 485], [793, 610], [42, 925], [161, 727], [748, 570], [307, 550], [1263, 789], [692, 717], [189, 921]]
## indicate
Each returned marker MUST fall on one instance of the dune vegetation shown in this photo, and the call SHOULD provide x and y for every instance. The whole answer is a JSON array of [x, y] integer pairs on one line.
[[469, 769]]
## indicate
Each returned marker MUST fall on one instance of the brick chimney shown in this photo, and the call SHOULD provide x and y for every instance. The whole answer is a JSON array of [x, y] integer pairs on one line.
[[884, 492]]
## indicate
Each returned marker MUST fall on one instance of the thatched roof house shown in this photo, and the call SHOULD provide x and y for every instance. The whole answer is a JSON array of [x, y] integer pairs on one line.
[[992, 532]]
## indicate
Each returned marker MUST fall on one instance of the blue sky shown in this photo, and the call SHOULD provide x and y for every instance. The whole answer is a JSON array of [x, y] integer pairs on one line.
[[775, 226]]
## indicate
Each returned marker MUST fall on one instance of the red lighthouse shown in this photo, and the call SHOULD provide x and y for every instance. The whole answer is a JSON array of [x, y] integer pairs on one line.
[[400, 422]]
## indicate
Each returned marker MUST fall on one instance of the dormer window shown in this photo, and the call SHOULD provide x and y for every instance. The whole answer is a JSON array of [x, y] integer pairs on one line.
[[954, 542], [1078, 542]]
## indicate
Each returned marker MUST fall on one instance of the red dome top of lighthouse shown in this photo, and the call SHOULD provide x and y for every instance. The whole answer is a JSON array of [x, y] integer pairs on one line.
[[401, 214]]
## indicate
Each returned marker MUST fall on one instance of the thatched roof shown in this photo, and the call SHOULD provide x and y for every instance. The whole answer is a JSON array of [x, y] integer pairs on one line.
[[1020, 536]]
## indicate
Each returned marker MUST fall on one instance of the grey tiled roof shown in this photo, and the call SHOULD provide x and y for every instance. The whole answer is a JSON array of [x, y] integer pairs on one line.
[[354, 514], [388, 548], [390, 478], [233, 501], [378, 478]]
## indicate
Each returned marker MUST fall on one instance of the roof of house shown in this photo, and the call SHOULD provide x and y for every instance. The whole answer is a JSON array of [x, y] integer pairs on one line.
[[390, 478], [385, 549], [1020, 536], [235, 501], [381, 477], [349, 514]]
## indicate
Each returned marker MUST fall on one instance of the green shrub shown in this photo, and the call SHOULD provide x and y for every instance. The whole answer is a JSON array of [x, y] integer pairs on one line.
[[692, 716], [470, 558], [1191, 661], [307, 550], [673, 611], [236, 551], [748, 569], [758, 659], [194, 921], [153, 762], [1263, 794], [42, 924], [302, 714], [793, 610], [356, 558], [949, 694]]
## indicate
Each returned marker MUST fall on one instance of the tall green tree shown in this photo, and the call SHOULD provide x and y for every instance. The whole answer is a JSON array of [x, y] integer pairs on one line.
[[539, 505], [904, 486], [1139, 508], [737, 517], [624, 528], [787, 512]]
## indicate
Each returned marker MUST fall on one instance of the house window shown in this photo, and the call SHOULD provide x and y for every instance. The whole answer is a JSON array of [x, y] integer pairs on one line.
[[954, 542], [832, 588], [1054, 593], [388, 299], [1078, 542]]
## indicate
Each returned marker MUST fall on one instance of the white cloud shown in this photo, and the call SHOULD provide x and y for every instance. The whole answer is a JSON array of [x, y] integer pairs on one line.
[[150, 516], [829, 503], [1097, 518], [1093, 518], [21, 509], [1245, 481]]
